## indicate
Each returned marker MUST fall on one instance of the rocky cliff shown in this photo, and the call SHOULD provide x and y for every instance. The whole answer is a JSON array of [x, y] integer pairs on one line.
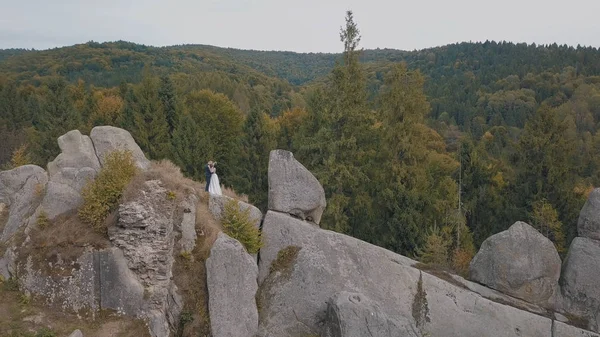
[[305, 281]]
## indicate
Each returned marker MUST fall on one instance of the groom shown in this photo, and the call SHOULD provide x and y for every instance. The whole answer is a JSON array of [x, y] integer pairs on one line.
[[207, 173]]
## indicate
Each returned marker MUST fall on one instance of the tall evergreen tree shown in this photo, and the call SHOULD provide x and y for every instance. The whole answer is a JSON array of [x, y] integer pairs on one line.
[[166, 94], [150, 128]]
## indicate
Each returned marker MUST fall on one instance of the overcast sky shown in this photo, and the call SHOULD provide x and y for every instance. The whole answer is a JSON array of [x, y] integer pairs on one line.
[[299, 25]]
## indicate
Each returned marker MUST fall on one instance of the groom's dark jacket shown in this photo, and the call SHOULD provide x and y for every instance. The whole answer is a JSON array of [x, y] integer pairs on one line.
[[207, 174]]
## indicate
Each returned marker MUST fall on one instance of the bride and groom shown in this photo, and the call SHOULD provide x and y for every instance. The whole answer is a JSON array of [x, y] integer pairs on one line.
[[212, 180]]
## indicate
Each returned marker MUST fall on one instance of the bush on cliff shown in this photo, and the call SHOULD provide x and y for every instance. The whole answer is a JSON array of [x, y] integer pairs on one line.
[[239, 225], [102, 195]]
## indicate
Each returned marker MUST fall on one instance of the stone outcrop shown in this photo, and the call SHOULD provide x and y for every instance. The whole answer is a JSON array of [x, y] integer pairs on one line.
[[187, 227], [68, 174], [588, 225], [108, 138], [216, 205], [293, 293], [354, 315], [579, 280], [77, 151], [520, 262], [21, 191], [293, 189], [231, 279], [145, 234]]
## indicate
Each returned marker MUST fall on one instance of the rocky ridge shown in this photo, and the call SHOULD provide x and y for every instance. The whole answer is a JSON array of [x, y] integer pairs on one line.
[[307, 281]]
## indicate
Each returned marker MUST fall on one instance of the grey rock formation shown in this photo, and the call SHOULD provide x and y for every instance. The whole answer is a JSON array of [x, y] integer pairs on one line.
[[63, 193], [354, 315], [187, 242], [560, 329], [120, 289], [76, 333], [588, 225], [8, 263], [71, 170], [293, 294], [579, 280], [77, 151], [145, 234], [231, 279], [216, 205], [21, 191], [520, 262], [109, 138], [75, 291], [293, 189]]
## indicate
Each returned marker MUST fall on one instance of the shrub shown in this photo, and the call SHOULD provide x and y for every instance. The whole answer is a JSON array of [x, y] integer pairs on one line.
[[102, 195], [239, 225], [42, 220]]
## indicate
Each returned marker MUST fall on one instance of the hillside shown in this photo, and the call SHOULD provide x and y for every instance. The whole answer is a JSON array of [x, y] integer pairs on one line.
[[513, 127]]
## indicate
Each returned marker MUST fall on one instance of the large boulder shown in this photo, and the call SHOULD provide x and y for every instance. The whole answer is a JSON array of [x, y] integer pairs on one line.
[[231, 279], [216, 206], [588, 225], [21, 191], [69, 172], [579, 280], [302, 266], [354, 315], [293, 189], [109, 138], [63, 194], [77, 151], [520, 262], [120, 288]]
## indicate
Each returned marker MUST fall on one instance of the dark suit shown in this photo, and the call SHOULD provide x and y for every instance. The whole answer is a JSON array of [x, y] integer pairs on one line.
[[207, 174]]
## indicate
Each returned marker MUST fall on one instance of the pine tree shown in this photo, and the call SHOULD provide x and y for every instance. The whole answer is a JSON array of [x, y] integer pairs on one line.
[[150, 129], [189, 146], [166, 94]]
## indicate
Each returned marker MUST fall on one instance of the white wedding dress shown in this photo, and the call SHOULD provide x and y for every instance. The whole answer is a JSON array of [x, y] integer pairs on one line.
[[214, 187]]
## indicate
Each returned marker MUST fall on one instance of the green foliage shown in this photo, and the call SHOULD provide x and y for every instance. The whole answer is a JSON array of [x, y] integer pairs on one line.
[[42, 220], [171, 195], [285, 259], [435, 251], [102, 195], [238, 224], [545, 219]]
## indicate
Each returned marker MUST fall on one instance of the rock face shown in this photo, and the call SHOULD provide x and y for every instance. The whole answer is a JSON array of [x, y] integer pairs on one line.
[[293, 294], [21, 191], [579, 280], [354, 315], [108, 138], [68, 174], [188, 224], [293, 189], [145, 235], [77, 150], [216, 205], [520, 262], [588, 225], [231, 278]]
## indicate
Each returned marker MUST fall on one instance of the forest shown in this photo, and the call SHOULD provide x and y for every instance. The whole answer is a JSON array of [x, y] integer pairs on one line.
[[426, 153]]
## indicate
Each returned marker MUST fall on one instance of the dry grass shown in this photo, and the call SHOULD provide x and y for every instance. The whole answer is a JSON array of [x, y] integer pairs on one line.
[[66, 237], [18, 318], [190, 274], [3, 216]]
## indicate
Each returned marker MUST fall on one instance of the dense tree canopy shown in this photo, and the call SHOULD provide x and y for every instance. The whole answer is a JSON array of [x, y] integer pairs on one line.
[[449, 144]]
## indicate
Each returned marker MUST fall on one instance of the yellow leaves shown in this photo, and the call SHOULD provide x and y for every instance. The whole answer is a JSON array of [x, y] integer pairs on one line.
[[108, 108], [20, 157], [583, 190], [498, 180]]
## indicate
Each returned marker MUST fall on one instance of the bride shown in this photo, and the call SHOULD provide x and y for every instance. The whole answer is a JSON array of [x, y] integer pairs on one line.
[[214, 187]]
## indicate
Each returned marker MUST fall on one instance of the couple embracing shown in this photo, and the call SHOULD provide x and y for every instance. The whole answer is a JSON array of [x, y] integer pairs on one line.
[[212, 180]]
